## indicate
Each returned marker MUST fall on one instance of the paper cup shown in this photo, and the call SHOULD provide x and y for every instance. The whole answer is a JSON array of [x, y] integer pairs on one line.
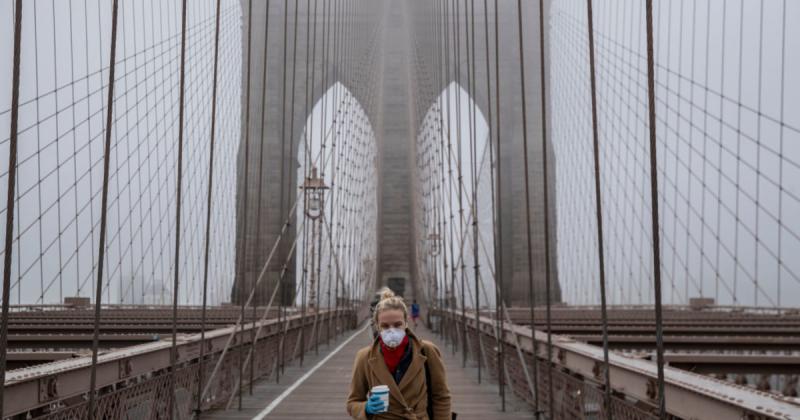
[[383, 392]]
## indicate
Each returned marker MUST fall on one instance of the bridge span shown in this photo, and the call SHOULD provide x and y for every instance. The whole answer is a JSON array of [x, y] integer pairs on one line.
[[594, 202]]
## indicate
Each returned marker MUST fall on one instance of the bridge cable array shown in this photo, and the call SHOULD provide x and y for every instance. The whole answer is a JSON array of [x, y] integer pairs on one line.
[[722, 150], [351, 161], [450, 11]]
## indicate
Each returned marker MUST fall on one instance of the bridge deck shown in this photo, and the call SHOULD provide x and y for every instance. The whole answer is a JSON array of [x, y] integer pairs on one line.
[[320, 392]]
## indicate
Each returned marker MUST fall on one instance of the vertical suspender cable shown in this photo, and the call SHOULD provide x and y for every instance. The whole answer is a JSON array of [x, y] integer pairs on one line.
[[598, 201], [651, 95], [201, 370], [435, 56], [338, 48], [475, 233], [442, 33], [782, 107], [310, 130], [176, 278], [12, 179], [548, 302], [343, 63], [343, 142], [286, 292], [279, 285], [243, 241], [323, 107], [326, 25], [259, 223], [448, 153], [331, 52], [531, 287], [58, 173], [537, 409], [306, 160], [489, 137], [334, 136], [104, 204], [433, 202], [439, 197], [533, 384], [498, 210], [460, 186], [304, 279]]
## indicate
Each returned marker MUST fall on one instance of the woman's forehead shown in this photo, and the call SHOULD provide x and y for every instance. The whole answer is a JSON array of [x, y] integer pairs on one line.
[[391, 315]]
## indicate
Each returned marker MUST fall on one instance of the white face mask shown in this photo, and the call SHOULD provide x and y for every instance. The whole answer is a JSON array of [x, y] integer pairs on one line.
[[392, 337]]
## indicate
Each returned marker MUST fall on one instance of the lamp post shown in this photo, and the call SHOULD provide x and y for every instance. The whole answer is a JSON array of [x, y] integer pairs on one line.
[[314, 193], [434, 240], [434, 249], [366, 270]]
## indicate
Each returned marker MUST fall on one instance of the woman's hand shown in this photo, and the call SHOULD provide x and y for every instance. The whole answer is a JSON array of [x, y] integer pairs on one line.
[[374, 405]]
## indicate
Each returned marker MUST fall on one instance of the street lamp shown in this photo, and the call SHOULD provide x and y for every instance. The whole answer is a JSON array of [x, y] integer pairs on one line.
[[435, 247], [314, 191], [314, 188]]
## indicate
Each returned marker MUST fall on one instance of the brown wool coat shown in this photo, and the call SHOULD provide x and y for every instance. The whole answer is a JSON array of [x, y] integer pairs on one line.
[[408, 400]]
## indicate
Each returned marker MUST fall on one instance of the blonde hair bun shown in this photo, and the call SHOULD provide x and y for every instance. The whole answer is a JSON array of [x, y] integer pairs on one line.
[[389, 301], [387, 293]]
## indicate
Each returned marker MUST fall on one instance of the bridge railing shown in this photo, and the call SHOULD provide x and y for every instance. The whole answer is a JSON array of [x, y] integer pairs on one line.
[[135, 382], [577, 371]]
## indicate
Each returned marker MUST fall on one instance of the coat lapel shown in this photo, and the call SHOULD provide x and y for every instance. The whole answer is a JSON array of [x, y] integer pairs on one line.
[[417, 364], [384, 376]]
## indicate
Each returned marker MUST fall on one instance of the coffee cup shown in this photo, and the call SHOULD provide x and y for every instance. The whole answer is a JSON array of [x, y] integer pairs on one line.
[[383, 392]]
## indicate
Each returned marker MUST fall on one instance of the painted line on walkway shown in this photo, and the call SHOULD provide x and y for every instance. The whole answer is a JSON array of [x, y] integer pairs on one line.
[[297, 383]]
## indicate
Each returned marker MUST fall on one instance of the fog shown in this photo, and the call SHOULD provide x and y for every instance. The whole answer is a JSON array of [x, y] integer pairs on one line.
[[728, 109], [63, 94]]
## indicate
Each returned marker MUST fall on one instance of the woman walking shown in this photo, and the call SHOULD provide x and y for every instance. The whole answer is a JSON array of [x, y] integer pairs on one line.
[[411, 369]]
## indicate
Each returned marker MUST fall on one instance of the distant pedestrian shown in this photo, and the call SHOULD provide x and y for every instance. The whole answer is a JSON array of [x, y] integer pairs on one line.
[[415, 312]]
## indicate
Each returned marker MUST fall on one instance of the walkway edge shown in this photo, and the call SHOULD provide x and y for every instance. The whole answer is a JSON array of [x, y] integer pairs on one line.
[[303, 378]]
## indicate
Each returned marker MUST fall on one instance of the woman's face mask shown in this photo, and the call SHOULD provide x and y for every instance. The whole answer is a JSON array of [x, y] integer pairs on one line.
[[392, 337], [392, 324]]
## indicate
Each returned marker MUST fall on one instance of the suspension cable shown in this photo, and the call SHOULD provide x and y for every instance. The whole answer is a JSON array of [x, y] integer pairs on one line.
[[498, 211], [531, 288], [181, 113], [279, 343], [461, 268], [304, 299], [104, 204], [12, 180], [597, 195], [201, 370], [259, 222], [325, 54], [288, 176], [474, 187], [451, 299], [310, 79], [651, 94], [242, 254]]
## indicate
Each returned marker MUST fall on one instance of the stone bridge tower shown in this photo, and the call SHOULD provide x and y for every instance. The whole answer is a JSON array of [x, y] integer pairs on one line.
[[393, 117]]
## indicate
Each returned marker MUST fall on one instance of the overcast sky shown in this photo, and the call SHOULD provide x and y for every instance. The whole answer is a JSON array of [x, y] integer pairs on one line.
[[728, 108], [728, 105]]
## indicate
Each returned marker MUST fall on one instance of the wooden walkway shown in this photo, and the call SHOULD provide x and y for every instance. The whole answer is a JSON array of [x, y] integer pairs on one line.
[[319, 389]]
